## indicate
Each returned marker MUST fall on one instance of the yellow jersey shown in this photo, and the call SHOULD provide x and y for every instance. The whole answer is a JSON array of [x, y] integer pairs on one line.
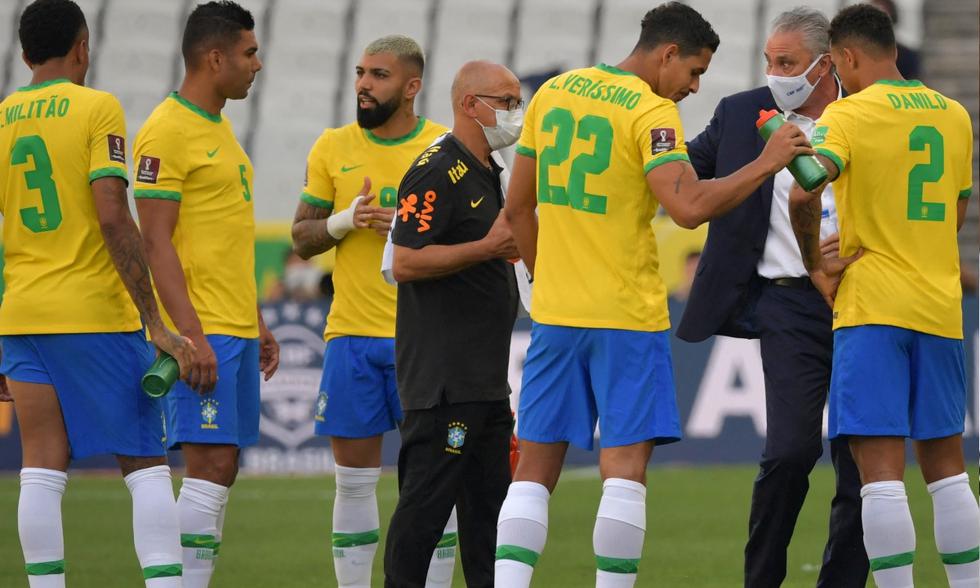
[[191, 156], [363, 304], [56, 138], [595, 133], [905, 154]]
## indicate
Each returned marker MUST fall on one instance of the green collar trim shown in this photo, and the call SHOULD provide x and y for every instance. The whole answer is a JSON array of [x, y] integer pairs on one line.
[[614, 70], [901, 83], [398, 140], [215, 118], [44, 84]]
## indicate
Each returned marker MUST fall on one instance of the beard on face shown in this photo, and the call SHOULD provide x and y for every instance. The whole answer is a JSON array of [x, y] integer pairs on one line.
[[372, 118]]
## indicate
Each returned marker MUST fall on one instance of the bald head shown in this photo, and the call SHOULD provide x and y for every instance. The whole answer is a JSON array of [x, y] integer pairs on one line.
[[484, 78]]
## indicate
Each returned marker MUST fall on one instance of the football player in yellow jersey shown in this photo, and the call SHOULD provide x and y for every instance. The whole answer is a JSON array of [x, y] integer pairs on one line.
[[74, 349], [194, 197], [358, 399], [900, 155], [600, 149]]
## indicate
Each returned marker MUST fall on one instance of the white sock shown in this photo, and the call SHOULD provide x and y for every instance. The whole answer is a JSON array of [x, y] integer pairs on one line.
[[522, 529], [889, 536], [198, 506], [356, 528], [156, 531], [39, 524], [957, 525], [444, 557], [620, 526]]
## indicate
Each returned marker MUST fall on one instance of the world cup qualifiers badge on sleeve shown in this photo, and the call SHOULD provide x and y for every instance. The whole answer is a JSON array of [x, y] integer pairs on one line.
[[117, 148], [662, 140], [149, 169]]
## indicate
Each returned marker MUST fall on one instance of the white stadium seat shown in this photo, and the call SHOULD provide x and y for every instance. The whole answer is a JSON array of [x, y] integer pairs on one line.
[[567, 48], [374, 19], [465, 31]]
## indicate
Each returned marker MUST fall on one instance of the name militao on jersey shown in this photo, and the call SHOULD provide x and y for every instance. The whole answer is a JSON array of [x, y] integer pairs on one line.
[[57, 138]]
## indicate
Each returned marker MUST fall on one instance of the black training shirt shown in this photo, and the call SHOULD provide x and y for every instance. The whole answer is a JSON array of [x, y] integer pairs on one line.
[[452, 334]]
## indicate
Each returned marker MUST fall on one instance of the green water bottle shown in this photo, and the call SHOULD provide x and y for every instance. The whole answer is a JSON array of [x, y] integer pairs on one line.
[[807, 169], [160, 378]]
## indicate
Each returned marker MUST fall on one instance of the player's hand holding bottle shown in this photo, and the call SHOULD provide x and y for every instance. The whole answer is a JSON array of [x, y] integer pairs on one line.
[[176, 346], [783, 145]]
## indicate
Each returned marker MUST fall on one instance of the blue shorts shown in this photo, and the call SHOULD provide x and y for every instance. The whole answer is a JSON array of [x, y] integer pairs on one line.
[[229, 415], [574, 376], [358, 392], [888, 381], [97, 379]]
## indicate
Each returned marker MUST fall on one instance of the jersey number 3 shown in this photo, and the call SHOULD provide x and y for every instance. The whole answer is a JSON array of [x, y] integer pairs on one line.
[[565, 127], [919, 139], [47, 217]]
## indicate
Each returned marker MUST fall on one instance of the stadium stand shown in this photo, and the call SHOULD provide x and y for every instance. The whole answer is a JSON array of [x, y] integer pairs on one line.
[[309, 48]]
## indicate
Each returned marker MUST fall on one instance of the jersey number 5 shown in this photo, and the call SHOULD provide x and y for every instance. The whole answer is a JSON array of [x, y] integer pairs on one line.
[[47, 217], [919, 210], [563, 124]]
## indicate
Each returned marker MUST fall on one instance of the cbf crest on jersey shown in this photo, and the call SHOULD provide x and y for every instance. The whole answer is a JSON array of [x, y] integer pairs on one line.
[[456, 438]]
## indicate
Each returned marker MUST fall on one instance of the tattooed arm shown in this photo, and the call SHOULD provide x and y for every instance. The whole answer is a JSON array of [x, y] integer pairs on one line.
[[826, 272], [804, 213], [310, 236], [158, 220], [312, 224], [691, 201], [125, 246]]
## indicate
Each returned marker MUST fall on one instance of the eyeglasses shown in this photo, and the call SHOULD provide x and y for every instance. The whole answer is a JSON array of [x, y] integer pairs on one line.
[[512, 103]]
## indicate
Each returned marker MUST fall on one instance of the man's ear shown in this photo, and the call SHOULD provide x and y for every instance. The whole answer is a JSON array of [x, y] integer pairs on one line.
[[413, 87], [214, 58], [671, 52]]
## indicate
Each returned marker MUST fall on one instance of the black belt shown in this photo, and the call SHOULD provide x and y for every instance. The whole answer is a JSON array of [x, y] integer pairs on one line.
[[802, 283]]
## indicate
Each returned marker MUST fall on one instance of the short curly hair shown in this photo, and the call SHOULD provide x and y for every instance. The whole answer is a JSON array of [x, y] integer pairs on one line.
[[866, 25], [49, 28]]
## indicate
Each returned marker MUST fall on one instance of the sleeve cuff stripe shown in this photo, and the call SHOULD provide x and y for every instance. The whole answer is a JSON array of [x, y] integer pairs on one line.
[[107, 172], [314, 201], [525, 151], [665, 159], [832, 157], [157, 194], [965, 193]]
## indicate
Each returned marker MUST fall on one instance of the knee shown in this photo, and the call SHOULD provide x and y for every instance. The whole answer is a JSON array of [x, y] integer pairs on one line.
[[129, 464], [220, 470]]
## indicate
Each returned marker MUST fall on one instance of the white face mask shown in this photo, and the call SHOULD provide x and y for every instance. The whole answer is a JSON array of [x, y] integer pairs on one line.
[[508, 129], [791, 92]]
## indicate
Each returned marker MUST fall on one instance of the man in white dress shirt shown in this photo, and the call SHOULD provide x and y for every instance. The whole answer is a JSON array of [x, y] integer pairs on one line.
[[751, 283]]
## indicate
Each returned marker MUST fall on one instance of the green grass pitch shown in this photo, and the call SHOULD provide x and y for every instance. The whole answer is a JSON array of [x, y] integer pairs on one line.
[[277, 531]]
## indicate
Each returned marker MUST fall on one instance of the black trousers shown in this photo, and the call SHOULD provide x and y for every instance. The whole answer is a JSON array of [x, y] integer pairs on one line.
[[452, 454], [797, 349]]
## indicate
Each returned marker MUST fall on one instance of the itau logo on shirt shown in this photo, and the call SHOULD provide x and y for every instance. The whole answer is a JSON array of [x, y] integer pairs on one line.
[[662, 139], [149, 169], [117, 148]]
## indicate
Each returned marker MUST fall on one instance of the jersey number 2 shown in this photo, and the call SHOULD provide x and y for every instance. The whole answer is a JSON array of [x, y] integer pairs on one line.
[[565, 127], [47, 217], [919, 210]]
